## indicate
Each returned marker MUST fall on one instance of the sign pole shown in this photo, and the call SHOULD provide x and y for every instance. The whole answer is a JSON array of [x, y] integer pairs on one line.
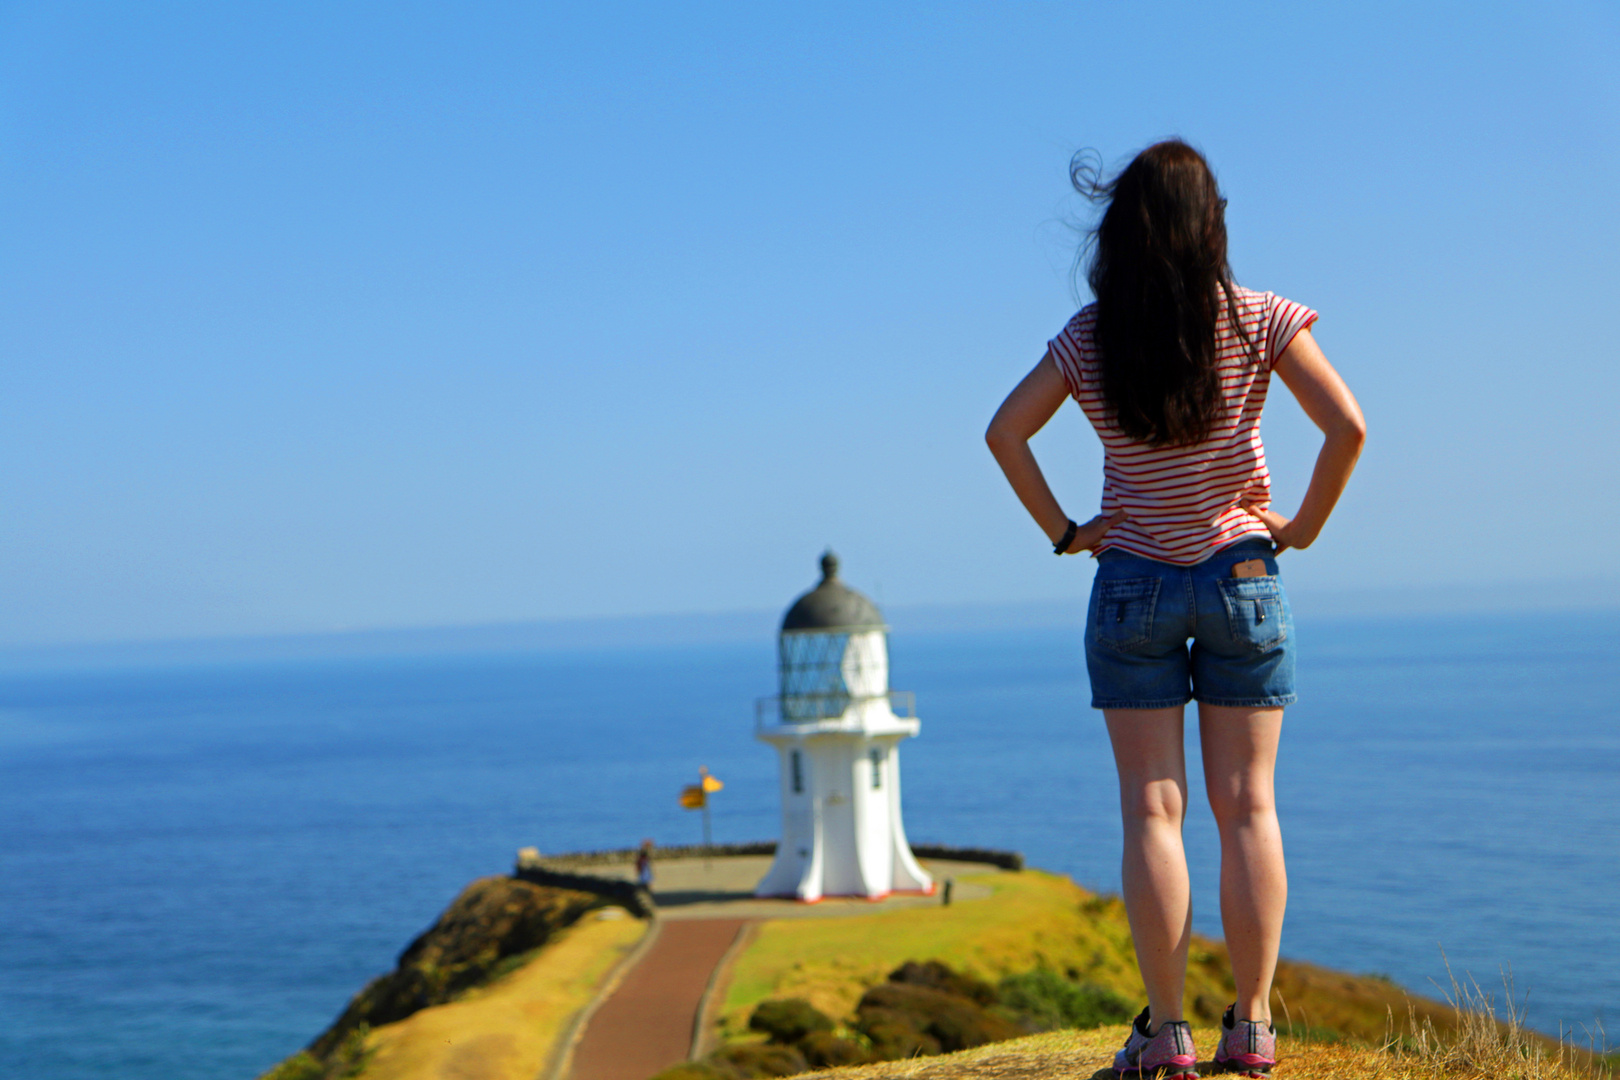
[[696, 797]]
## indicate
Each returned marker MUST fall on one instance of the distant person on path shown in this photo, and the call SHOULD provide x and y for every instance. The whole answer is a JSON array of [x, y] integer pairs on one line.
[[1171, 365], [644, 873]]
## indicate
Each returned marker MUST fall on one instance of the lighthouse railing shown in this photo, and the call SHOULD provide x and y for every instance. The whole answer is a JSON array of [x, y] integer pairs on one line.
[[769, 713]]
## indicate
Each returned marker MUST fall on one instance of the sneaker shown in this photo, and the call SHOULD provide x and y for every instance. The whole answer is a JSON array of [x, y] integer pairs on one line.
[[1167, 1053], [1247, 1047]]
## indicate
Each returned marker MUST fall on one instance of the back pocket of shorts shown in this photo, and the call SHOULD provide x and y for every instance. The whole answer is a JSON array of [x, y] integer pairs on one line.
[[1123, 616], [1254, 607]]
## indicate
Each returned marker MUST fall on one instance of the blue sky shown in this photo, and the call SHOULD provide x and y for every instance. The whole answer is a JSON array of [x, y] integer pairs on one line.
[[347, 316]]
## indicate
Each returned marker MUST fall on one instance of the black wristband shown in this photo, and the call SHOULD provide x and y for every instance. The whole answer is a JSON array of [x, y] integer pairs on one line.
[[1068, 538]]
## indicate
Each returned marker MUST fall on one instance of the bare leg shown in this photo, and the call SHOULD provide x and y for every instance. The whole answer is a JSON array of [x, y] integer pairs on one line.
[[1152, 763], [1240, 757]]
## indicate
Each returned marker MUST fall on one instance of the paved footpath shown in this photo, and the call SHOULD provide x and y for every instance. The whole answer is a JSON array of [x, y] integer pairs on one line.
[[646, 1025]]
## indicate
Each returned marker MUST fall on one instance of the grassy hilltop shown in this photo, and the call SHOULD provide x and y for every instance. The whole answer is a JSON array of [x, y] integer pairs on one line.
[[1033, 920], [492, 989]]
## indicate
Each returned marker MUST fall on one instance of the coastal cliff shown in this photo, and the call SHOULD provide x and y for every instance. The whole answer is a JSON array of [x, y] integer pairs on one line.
[[491, 929]]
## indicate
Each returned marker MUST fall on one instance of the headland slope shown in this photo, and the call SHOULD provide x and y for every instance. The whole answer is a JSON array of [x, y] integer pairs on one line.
[[504, 983]]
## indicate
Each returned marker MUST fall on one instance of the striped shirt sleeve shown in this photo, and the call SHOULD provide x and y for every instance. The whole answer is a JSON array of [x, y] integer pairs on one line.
[[1284, 320], [1066, 352]]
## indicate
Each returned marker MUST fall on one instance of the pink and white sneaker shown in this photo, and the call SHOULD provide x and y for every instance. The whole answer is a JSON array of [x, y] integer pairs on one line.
[[1247, 1048], [1166, 1053]]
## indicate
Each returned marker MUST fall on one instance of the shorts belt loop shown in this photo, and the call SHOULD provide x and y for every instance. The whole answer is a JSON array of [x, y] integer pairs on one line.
[[1192, 603]]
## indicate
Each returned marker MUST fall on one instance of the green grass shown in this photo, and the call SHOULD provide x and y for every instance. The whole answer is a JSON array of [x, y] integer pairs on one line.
[[1039, 921], [1032, 920]]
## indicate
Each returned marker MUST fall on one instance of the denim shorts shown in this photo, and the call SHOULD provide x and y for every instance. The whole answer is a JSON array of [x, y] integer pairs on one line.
[[1143, 613]]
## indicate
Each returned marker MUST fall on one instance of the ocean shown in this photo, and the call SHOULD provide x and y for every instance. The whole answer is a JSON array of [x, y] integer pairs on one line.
[[199, 865]]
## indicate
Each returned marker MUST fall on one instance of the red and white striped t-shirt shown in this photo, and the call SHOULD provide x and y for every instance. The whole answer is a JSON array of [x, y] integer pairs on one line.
[[1183, 500]]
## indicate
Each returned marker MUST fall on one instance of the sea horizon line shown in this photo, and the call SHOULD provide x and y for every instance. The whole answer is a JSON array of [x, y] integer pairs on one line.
[[599, 632]]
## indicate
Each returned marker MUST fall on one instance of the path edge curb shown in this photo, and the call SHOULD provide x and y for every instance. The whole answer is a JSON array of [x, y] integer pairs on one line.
[[714, 991]]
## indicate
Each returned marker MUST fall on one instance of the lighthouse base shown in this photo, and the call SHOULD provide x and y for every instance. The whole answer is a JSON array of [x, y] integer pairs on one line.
[[842, 833]]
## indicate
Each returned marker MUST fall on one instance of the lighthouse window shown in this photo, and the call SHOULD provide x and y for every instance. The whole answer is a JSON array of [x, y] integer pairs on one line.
[[797, 766], [877, 768], [813, 683]]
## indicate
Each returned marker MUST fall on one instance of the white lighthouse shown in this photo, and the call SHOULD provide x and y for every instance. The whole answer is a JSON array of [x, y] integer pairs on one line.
[[838, 727]]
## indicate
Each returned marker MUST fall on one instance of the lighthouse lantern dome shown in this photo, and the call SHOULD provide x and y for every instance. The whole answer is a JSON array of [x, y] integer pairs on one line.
[[831, 606]]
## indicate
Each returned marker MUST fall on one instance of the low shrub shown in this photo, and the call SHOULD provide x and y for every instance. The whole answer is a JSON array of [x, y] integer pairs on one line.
[[1049, 1001], [957, 1023], [924, 1008], [894, 1036], [824, 1050], [787, 1020], [938, 976], [748, 1061]]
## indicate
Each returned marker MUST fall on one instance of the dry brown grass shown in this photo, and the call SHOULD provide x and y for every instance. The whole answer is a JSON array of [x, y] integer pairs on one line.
[[1055, 1054], [1483, 1041], [1475, 1044]]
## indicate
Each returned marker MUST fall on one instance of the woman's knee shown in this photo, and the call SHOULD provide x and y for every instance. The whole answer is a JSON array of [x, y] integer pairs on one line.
[[1155, 802], [1242, 804]]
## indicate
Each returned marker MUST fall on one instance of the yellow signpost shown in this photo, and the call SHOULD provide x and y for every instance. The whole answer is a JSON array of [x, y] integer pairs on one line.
[[696, 797]]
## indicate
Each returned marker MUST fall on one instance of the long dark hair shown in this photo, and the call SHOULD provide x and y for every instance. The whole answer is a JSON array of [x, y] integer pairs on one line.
[[1160, 275]]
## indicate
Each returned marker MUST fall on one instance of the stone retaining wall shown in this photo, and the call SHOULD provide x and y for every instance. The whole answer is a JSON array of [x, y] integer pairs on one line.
[[1007, 860], [619, 856], [571, 870]]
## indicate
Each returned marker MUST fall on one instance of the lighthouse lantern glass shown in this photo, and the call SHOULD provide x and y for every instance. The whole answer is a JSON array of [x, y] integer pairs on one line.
[[822, 673]]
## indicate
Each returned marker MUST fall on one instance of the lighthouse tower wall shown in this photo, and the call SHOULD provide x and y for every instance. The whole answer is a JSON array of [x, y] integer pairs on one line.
[[841, 873], [841, 828], [905, 872], [875, 818], [797, 860]]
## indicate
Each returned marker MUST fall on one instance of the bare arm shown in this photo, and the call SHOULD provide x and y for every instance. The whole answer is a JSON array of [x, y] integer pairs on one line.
[[1333, 409], [1026, 410]]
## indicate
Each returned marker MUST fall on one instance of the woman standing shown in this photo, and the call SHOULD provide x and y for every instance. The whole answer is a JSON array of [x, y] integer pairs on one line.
[[1171, 365]]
